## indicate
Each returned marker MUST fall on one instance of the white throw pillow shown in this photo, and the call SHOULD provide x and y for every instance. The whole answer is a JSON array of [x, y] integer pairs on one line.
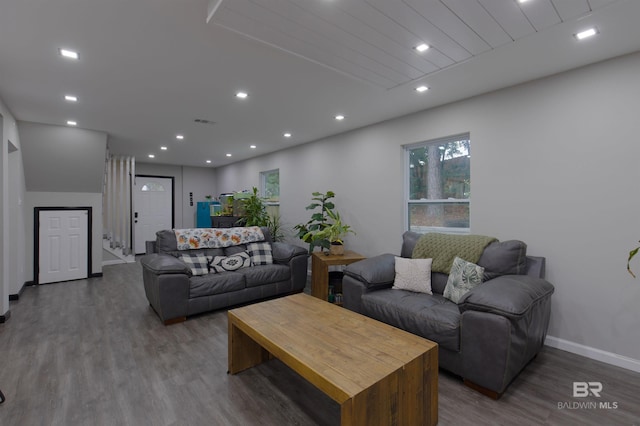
[[413, 275]]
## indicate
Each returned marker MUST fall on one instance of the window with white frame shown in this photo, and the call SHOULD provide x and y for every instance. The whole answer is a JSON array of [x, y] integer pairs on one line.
[[270, 186], [438, 185]]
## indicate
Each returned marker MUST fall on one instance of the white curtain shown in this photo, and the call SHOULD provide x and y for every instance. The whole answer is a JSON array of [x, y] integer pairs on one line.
[[117, 202]]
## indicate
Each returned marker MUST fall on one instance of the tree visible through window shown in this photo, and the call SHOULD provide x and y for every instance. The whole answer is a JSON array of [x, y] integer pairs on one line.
[[439, 185]]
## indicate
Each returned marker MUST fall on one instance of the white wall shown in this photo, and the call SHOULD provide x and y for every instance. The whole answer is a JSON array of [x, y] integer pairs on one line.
[[66, 199], [199, 180], [12, 227], [554, 163], [62, 159]]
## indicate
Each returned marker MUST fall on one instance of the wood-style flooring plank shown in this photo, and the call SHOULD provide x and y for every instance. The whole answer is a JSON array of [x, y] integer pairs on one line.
[[92, 352]]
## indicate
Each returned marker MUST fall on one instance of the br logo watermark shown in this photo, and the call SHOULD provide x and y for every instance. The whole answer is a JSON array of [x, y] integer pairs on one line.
[[586, 390]]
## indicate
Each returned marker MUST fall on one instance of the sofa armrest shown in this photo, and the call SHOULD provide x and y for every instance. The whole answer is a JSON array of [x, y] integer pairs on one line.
[[508, 295], [164, 264], [284, 252], [374, 271]]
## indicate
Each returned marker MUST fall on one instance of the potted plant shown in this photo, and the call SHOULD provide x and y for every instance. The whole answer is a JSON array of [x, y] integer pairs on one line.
[[254, 211], [319, 220], [334, 233]]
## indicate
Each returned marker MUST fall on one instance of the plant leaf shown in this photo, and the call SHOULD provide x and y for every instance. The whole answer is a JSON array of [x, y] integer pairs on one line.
[[632, 253]]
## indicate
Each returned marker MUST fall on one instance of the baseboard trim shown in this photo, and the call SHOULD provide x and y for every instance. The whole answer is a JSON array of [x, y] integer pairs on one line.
[[96, 275], [16, 296], [593, 353], [4, 318]]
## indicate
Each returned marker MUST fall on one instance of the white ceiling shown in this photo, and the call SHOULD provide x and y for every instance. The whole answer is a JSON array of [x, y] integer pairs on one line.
[[149, 68]]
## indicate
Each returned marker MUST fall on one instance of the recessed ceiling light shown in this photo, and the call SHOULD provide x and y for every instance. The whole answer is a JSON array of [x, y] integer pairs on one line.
[[422, 47], [72, 123], [252, 146], [164, 148], [242, 95], [339, 117], [180, 137], [228, 155], [287, 135], [586, 33], [208, 161], [68, 53], [70, 98], [421, 89], [152, 156]]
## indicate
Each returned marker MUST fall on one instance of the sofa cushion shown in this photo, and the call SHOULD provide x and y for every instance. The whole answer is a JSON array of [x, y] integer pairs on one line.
[[231, 263], [504, 258], [197, 263], [207, 285], [463, 277], [266, 274], [260, 253], [413, 275], [430, 316]]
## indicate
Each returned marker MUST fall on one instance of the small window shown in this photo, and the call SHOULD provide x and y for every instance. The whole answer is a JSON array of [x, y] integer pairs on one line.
[[270, 186], [439, 185], [152, 186]]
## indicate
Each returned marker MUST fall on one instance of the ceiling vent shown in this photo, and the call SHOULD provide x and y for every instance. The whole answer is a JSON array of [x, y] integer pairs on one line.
[[204, 121]]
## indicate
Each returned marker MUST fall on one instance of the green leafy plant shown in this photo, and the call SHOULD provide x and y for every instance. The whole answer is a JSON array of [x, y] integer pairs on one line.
[[336, 230], [308, 231], [632, 253], [255, 211], [275, 227]]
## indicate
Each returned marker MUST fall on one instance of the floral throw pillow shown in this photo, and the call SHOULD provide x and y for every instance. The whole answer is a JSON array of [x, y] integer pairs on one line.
[[463, 277], [231, 263], [413, 275], [198, 263]]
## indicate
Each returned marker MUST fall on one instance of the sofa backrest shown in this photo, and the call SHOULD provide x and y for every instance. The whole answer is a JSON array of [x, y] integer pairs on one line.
[[498, 258], [167, 243]]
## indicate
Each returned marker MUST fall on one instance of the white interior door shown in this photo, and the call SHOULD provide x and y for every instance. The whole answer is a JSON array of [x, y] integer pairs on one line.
[[152, 200], [63, 245]]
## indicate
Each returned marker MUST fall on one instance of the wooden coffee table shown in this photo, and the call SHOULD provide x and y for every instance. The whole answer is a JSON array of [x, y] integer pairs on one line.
[[380, 375]]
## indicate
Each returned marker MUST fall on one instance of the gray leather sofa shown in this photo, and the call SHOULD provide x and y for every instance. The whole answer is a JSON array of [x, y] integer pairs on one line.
[[174, 293], [489, 336]]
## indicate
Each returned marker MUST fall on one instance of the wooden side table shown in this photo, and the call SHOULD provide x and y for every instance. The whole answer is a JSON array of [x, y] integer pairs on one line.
[[320, 263]]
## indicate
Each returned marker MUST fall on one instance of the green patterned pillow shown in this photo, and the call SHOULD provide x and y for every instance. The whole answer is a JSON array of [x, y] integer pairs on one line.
[[463, 277]]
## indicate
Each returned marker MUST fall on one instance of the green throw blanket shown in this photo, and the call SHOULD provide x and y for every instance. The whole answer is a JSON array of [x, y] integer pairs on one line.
[[443, 249]]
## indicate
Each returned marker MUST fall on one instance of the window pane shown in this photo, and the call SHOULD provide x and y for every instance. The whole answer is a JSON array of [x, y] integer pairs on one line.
[[440, 171], [270, 185], [425, 217], [152, 186], [439, 185]]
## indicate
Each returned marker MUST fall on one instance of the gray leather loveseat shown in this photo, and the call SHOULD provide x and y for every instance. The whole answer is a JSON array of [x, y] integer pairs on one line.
[[493, 331], [175, 292]]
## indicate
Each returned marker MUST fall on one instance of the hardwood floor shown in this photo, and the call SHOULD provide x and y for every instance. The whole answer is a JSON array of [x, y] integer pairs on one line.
[[92, 352]]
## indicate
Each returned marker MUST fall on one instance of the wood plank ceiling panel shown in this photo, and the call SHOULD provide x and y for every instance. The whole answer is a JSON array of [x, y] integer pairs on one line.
[[510, 17], [479, 20], [442, 17], [569, 9], [540, 13], [278, 38], [392, 29], [370, 34], [425, 30], [597, 4], [335, 37]]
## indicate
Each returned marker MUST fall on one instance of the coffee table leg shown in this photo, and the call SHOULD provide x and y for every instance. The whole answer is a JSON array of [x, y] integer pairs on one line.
[[244, 352]]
